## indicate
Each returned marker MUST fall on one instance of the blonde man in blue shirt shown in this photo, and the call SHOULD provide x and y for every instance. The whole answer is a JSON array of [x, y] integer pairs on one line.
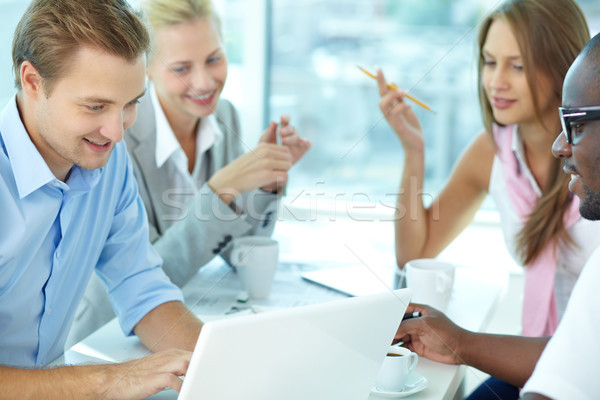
[[69, 205]]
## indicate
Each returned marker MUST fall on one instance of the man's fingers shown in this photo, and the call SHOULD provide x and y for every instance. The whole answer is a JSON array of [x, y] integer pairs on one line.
[[175, 383], [414, 307]]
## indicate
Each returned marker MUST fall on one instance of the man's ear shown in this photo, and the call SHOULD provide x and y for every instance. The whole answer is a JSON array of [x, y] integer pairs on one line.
[[31, 80]]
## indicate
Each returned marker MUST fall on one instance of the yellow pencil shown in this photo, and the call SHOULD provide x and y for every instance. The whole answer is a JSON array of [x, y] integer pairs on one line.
[[394, 87]]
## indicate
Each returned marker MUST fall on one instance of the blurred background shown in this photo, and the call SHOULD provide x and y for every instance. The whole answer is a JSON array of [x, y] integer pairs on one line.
[[310, 50], [299, 57]]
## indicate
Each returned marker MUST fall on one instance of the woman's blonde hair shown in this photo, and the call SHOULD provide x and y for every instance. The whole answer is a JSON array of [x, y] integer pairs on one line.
[[164, 13], [550, 35]]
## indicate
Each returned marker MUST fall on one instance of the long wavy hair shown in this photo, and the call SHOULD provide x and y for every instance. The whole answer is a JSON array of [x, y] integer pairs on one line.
[[550, 35]]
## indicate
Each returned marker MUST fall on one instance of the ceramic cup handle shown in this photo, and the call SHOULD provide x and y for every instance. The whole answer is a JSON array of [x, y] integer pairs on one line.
[[412, 362], [238, 256]]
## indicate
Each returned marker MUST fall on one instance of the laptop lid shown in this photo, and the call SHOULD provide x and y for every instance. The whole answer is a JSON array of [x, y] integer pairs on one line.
[[327, 351]]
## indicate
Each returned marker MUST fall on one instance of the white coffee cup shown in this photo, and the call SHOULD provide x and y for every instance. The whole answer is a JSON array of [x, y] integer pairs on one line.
[[255, 259], [431, 281], [397, 366]]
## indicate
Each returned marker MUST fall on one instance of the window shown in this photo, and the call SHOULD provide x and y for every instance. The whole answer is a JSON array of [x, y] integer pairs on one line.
[[425, 46], [11, 12], [307, 68]]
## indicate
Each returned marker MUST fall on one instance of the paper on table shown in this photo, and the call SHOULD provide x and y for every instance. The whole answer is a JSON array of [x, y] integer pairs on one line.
[[214, 290]]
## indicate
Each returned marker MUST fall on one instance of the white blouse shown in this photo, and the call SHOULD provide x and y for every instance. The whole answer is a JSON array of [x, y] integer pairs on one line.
[[170, 154]]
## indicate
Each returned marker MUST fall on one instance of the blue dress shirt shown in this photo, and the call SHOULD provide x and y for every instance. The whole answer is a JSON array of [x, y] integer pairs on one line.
[[52, 236]]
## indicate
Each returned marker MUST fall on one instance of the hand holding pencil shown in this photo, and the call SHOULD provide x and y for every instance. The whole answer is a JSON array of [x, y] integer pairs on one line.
[[394, 87], [400, 116]]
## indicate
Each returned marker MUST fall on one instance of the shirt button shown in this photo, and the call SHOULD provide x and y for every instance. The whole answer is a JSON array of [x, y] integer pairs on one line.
[[57, 253]]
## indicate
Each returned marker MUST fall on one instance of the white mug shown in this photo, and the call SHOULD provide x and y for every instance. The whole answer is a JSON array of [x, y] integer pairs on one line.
[[397, 366], [431, 281], [255, 259]]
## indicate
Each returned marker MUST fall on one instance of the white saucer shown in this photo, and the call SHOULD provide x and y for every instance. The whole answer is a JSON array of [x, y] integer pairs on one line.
[[414, 383]]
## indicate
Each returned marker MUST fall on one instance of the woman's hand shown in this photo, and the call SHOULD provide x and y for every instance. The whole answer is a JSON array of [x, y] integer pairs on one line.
[[400, 116], [265, 166], [289, 138]]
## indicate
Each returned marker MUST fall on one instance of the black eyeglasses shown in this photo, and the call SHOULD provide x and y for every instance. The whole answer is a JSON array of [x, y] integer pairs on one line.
[[570, 116]]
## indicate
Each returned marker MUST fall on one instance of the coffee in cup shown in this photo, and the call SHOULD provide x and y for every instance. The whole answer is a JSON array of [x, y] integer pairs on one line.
[[394, 355], [397, 366]]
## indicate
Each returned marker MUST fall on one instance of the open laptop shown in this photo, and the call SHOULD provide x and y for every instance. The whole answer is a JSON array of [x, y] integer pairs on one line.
[[326, 351]]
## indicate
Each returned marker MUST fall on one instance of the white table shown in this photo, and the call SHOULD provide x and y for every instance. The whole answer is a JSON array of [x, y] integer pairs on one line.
[[214, 291]]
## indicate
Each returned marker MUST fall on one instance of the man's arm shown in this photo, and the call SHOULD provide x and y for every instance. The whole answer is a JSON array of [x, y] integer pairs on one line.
[[130, 380], [170, 325], [510, 358]]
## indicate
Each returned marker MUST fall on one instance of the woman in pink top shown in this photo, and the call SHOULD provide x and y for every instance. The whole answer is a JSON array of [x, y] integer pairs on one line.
[[525, 50]]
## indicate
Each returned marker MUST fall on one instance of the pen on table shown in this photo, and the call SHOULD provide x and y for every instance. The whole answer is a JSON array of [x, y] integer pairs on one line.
[[394, 87], [415, 314]]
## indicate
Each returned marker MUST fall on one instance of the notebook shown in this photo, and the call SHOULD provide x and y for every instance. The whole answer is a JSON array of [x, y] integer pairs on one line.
[[356, 280], [326, 351]]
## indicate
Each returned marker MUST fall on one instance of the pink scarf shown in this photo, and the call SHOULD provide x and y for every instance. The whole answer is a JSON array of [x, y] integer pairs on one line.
[[540, 317]]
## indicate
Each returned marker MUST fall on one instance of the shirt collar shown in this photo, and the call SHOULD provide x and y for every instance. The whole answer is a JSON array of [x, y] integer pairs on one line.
[[208, 130], [518, 148], [29, 167], [167, 143]]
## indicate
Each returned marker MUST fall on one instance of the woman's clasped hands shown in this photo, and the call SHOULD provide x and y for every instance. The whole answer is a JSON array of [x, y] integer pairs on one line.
[[266, 166]]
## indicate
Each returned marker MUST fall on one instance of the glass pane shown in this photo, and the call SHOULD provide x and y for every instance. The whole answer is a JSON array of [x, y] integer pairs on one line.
[[425, 46], [10, 14]]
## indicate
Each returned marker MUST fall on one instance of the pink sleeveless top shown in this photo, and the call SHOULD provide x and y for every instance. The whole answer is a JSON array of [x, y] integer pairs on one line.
[[540, 316]]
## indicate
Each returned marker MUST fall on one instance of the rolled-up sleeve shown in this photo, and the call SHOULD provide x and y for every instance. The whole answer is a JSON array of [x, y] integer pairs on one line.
[[129, 267]]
